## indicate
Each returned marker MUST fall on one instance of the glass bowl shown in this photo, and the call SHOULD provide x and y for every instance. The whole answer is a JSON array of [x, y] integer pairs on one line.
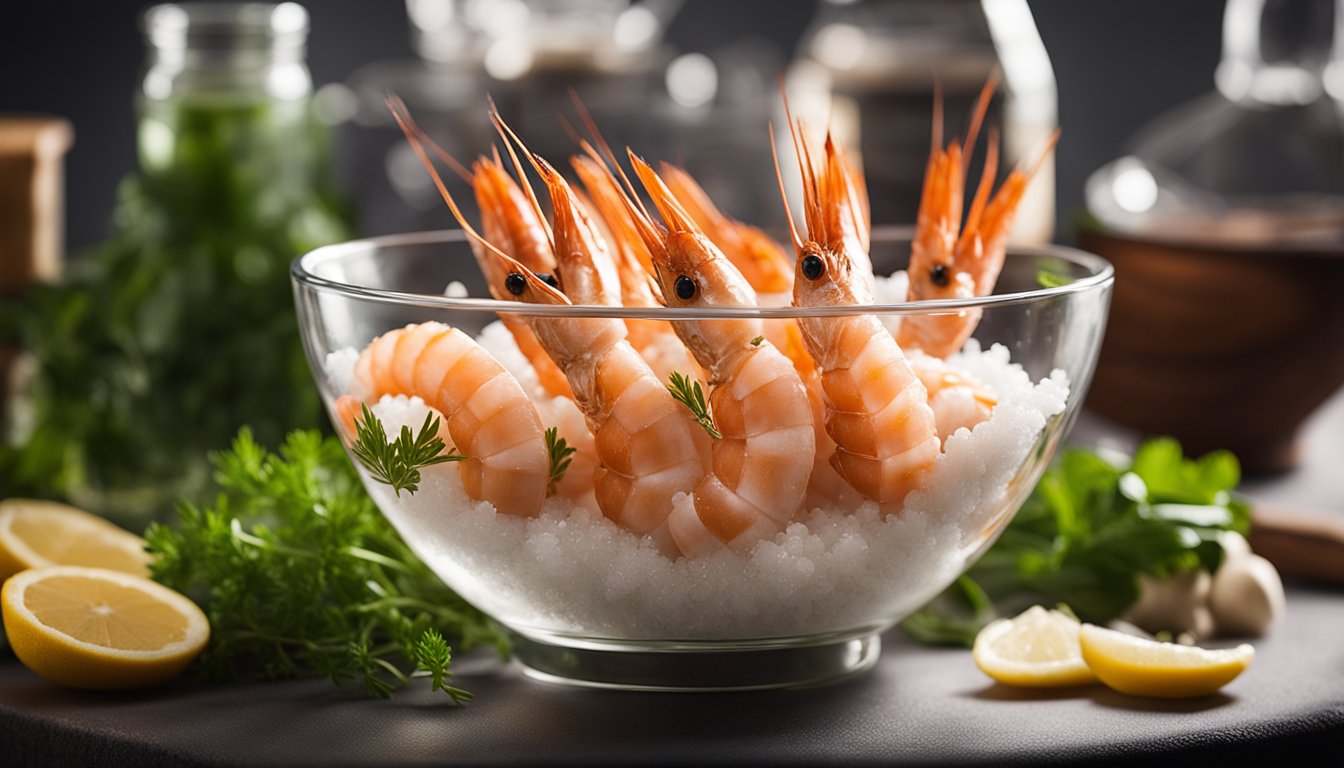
[[592, 603]]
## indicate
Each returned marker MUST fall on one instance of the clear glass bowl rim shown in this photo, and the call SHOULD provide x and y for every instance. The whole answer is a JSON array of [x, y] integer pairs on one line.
[[1101, 274]]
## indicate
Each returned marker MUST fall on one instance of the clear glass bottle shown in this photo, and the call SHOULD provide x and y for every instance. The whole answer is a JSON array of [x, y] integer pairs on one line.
[[1225, 222], [180, 329], [1259, 159], [869, 68]]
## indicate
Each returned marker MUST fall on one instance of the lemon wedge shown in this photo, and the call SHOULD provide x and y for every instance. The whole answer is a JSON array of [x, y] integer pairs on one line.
[[100, 629], [1036, 649], [34, 534], [1142, 667]]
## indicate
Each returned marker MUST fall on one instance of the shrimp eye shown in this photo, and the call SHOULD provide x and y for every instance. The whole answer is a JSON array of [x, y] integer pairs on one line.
[[939, 275], [813, 266], [549, 279], [515, 283], [685, 288]]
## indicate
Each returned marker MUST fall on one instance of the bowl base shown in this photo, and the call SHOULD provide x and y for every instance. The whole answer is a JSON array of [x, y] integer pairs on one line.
[[696, 666]]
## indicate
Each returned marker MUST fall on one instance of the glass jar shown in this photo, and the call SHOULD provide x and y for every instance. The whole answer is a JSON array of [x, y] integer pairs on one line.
[[180, 329], [871, 69]]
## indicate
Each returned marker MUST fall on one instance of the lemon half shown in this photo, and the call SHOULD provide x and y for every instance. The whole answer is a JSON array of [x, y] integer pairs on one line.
[[34, 534], [1036, 649], [1142, 667], [100, 629]]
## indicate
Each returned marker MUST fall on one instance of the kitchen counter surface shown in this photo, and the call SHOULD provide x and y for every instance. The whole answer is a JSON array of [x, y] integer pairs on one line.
[[917, 706]]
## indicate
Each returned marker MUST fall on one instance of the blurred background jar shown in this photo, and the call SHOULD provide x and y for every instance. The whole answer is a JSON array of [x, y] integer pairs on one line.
[[706, 108], [179, 330], [1225, 221], [870, 68]]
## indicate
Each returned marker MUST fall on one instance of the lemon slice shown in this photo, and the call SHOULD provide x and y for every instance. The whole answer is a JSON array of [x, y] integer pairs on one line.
[[1036, 649], [34, 534], [100, 629], [1142, 667]]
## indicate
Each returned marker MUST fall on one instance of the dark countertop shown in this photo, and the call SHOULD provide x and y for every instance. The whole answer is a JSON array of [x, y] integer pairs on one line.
[[917, 706]]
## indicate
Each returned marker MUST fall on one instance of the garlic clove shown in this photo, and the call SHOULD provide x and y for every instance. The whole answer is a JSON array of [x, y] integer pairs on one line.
[[1246, 596]]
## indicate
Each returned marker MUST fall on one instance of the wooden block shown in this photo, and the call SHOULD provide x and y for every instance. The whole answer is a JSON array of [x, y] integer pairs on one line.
[[32, 149]]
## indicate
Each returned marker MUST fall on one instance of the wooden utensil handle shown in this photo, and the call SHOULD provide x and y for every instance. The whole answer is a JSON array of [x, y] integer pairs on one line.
[[1302, 546]]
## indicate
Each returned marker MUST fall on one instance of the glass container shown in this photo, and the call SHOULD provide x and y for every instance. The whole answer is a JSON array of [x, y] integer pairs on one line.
[[594, 604], [179, 330]]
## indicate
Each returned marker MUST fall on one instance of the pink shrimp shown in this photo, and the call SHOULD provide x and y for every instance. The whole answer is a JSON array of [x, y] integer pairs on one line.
[[509, 220], [653, 338], [764, 453], [755, 254], [948, 265], [877, 409], [516, 220], [486, 414], [649, 447]]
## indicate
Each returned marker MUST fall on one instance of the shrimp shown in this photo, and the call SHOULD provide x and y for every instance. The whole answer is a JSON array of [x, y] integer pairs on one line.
[[876, 408], [485, 412], [948, 265], [649, 446], [507, 219], [755, 254], [653, 338], [764, 455], [515, 221]]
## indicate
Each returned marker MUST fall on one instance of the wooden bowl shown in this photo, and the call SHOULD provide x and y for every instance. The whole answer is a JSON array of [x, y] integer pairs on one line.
[[1220, 346]]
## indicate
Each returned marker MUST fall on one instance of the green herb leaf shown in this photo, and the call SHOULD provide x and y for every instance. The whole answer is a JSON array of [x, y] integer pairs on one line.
[[560, 455], [1048, 279], [300, 574], [433, 657], [756, 342], [688, 392], [398, 463], [1086, 534]]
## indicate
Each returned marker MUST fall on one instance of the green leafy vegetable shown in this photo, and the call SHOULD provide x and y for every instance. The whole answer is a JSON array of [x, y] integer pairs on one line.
[[688, 392], [560, 455], [1087, 533], [1048, 279], [300, 574], [153, 349], [398, 462]]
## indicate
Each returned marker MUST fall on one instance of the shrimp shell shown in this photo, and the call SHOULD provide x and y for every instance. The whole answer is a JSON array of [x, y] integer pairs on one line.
[[485, 411]]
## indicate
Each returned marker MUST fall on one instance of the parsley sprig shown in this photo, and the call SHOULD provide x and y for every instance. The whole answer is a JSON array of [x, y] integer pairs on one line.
[[398, 462], [561, 454], [300, 574], [688, 392]]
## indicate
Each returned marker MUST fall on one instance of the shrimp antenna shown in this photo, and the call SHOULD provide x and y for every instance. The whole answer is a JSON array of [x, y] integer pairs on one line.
[[983, 189], [569, 128], [936, 135], [608, 156], [443, 154], [978, 117], [804, 165], [518, 166], [399, 113], [783, 196], [1045, 153]]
